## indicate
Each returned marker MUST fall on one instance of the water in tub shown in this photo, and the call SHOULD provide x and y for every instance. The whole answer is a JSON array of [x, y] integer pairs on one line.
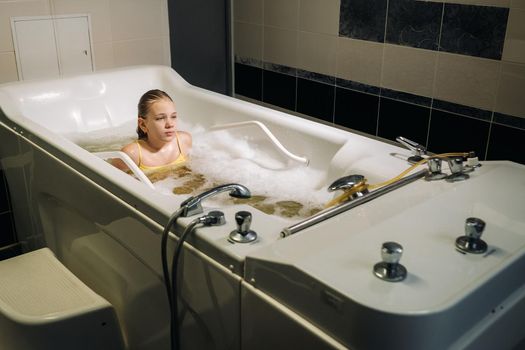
[[279, 186]]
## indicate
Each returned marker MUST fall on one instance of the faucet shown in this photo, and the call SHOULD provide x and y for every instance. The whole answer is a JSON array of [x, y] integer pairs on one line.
[[346, 182], [193, 205], [416, 148], [189, 207], [342, 207], [355, 185]]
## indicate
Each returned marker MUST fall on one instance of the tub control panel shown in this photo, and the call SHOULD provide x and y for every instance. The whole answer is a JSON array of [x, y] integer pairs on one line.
[[421, 279]]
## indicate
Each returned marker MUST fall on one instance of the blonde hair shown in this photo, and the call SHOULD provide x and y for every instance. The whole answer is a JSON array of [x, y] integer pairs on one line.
[[145, 103]]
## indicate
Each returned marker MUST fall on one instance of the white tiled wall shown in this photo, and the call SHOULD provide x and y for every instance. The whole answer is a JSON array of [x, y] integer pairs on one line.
[[125, 32], [305, 34]]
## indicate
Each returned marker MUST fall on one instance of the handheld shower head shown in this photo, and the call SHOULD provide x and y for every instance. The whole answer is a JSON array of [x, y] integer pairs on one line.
[[193, 205]]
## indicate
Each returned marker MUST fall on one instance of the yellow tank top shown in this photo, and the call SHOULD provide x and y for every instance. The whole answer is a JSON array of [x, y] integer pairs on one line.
[[181, 159]]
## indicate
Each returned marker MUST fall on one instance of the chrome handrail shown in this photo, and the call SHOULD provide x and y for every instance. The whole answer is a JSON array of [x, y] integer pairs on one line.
[[338, 209]]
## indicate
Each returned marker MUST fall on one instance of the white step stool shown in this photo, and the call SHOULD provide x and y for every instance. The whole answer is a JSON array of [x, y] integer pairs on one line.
[[44, 306]]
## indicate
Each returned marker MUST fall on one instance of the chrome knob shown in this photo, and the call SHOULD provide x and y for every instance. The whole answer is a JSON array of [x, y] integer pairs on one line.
[[390, 269], [456, 168], [434, 167], [471, 242], [243, 234], [474, 227]]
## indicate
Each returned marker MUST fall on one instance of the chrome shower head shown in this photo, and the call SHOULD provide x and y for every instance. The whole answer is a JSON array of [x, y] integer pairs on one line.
[[193, 205]]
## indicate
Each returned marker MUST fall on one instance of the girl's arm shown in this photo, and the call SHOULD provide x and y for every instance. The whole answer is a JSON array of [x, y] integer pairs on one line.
[[132, 151]]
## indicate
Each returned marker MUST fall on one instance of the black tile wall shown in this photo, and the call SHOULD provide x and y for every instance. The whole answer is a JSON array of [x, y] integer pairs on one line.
[[353, 85], [509, 120], [439, 125], [453, 133], [356, 110], [465, 29], [363, 19], [414, 23], [462, 110], [506, 143], [279, 89], [279, 68], [474, 30], [442, 126], [321, 78], [315, 99], [397, 118], [248, 81], [406, 97]]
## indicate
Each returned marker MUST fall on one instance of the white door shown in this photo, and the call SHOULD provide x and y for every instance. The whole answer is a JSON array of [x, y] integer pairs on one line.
[[36, 54], [47, 47], [74, 47]]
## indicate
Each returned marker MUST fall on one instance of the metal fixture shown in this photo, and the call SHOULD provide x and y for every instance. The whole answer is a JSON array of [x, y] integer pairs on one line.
[[349, 183], [338, 209], [471, 242], [456, 168], [214, 218], [417, 149], [434, 167], [193, 205], [243, 234], [472, 161], [390, 269]]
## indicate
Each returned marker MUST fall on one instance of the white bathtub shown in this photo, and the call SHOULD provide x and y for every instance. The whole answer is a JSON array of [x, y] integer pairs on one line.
[[315, 288]]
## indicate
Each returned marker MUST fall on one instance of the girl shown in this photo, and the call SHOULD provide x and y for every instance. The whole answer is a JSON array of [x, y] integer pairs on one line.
[[159, 146]]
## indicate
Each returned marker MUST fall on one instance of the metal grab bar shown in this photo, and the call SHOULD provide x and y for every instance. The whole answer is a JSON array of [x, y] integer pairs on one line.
[[129, 162], [268, 133], [338, 209]]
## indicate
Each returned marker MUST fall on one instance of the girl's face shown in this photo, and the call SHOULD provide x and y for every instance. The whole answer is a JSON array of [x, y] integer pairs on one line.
[[160, 122]]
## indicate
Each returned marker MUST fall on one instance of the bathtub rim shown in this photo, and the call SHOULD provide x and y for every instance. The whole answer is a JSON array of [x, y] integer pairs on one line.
[[154, 204]]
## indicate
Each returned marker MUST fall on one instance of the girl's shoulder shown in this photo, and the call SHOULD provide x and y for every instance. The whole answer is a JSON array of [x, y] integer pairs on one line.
[[131, 147], [132, 150], [185, 138]]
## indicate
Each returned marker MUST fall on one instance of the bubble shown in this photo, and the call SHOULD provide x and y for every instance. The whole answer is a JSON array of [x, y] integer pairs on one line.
[[228, 156]]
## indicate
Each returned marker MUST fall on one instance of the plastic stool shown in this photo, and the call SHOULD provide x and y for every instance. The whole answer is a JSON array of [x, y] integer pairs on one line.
[[44, 306]]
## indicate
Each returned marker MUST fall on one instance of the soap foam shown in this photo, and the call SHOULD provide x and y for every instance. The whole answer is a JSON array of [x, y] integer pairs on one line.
[[224, 158]]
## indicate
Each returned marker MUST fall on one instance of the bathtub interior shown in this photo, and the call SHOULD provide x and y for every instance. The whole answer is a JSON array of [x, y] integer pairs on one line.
[[78, 106], [98, 112]]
